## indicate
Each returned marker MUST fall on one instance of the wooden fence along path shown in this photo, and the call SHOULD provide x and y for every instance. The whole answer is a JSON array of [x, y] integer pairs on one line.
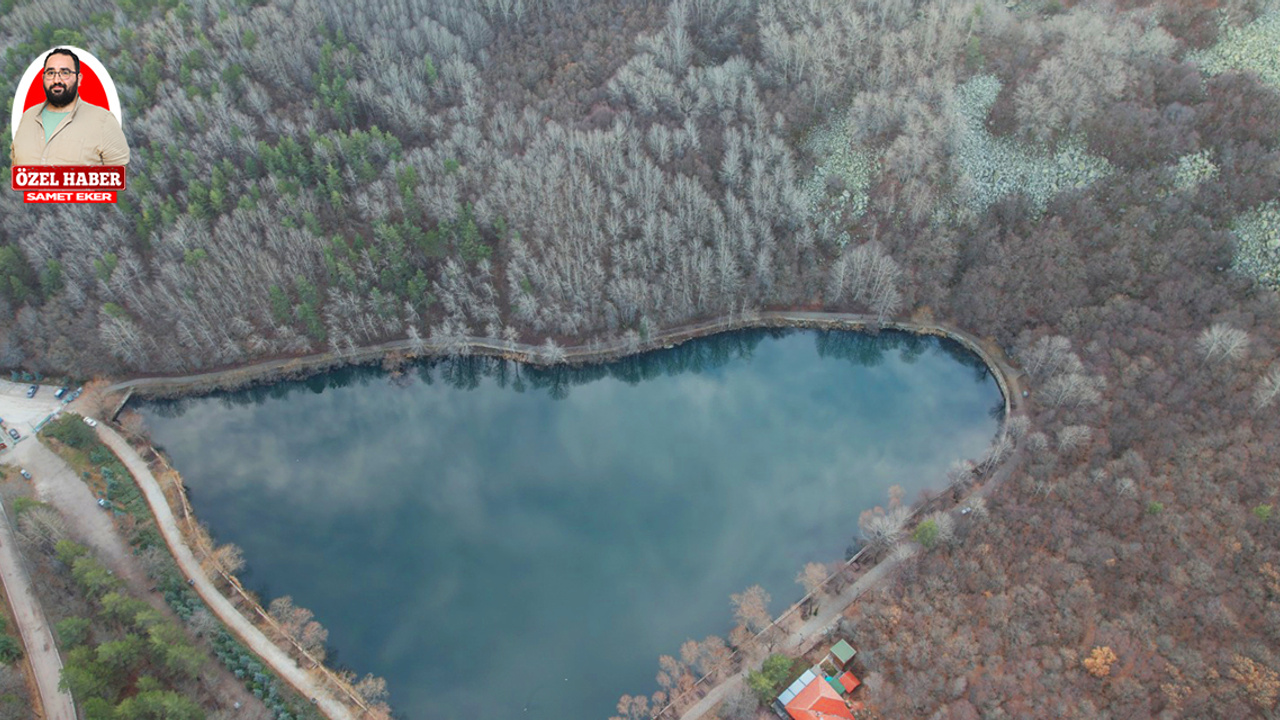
[[206, 551]]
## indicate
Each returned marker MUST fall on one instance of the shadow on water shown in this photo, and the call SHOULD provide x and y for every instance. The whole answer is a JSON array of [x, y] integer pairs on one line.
[[703, 355]]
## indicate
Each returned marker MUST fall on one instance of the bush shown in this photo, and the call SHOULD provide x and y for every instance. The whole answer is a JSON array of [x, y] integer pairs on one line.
[[69, 551], [73, 631], [23, 503], [769, 680], [70, 429], [10, 649], [926, 533]]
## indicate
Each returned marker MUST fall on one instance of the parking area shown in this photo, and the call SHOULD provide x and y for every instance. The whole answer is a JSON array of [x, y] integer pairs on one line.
[[22, 413]]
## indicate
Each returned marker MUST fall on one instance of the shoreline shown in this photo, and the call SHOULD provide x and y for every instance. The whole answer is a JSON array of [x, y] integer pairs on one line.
[[1006, 376], [297, 368]]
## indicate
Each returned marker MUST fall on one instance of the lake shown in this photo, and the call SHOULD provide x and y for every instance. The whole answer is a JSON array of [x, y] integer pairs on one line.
[[503, 542]]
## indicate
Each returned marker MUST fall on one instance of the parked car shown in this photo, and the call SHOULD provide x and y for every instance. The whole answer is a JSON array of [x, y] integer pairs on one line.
[[25, 474], [31, 391], [60, 392], [90, 422], [13, 433], [103, 502]]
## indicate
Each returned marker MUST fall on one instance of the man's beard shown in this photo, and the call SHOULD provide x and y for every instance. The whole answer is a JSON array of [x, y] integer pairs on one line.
[[63, 98]]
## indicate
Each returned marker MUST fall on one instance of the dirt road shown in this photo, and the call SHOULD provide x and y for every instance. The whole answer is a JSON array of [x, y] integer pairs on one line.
[[56, 483], [803, 639], [593, 352], [37, 636]]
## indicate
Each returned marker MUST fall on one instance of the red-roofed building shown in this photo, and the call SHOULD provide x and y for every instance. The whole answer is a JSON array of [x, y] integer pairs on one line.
[[850, 682], [818, 702]]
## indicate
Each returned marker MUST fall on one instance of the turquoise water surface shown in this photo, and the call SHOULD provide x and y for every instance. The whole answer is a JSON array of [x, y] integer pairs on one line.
[[501, 542]]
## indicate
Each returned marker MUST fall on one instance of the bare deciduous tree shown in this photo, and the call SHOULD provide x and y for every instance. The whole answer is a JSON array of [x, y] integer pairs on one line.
[[1268, 387], [372, 689], [1222, 341], [297, 624], [228, 558], [552, 352], [883, 527], [751, 608], [1073, 389], [813, 578], [1047, 356], [946, 525], [1074, 437], [996, 453], [41, 528]]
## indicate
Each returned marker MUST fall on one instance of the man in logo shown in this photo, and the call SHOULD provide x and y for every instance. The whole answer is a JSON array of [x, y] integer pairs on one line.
[[64, 130]]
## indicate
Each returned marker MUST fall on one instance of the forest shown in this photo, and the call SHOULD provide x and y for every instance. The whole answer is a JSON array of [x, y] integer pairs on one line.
[[1093, 186]]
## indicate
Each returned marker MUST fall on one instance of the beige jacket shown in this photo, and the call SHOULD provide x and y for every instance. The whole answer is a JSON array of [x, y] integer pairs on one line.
[[90, 135]]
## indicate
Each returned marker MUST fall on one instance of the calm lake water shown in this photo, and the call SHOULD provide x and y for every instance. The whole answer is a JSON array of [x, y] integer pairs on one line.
[[505, 543]]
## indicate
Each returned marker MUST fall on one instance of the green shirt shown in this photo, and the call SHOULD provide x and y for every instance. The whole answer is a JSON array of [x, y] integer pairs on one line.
[[50, 120]]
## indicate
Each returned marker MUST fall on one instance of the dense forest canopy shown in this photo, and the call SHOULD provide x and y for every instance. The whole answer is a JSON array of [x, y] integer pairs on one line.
[[1093, 185]]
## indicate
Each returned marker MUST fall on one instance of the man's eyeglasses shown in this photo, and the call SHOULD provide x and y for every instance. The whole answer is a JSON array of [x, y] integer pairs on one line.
[[60, 73]]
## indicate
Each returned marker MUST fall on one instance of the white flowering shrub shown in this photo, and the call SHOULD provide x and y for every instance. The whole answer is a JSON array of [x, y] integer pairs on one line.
[[1258, 252], [837, 155], [1193, 169], [1255, 47], [991, 167]]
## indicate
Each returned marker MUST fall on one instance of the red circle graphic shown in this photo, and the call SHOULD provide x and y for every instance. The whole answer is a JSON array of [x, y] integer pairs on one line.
[[91, 90]]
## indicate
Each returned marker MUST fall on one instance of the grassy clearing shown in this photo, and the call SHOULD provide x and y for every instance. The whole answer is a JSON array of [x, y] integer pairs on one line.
[[841, 162], [992, 167], [1258, 252], [1254, 48], [1193, 169]]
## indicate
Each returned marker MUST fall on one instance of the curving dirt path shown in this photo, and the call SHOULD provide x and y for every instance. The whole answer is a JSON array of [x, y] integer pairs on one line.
[[279, 661]]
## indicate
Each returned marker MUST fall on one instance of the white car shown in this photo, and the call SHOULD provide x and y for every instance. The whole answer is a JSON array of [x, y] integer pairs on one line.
[[90, 422]]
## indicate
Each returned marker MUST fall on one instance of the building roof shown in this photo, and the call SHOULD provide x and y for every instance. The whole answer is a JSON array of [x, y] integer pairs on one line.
[[818, 702], [843, 651], [850, 682], [796, 687]]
